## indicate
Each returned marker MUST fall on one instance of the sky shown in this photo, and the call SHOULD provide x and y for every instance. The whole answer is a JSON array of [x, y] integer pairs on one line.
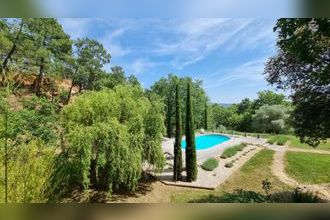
[[228, 55]]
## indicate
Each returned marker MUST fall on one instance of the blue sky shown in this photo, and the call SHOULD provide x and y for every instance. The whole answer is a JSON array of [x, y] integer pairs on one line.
[[227, 54]]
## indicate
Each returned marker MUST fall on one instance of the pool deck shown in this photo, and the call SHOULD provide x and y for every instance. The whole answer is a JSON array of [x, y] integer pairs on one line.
[[210, 179]]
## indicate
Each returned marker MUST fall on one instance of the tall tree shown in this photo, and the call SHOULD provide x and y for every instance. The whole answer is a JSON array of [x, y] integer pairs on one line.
[[302, 65], [191, 160], [89, 58], [50, 43], [9, 38], [205, 117], [166, 86], [169, 116], [177, 169], [268, 97]]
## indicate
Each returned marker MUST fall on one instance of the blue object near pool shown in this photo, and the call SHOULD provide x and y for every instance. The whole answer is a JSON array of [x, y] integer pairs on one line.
[[207, 141]]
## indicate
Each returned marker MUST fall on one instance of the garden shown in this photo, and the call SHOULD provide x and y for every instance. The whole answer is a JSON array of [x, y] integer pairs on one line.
[[72, 130]]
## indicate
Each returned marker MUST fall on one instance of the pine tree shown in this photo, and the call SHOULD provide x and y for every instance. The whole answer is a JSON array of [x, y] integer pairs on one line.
[[205, 117], [177, 169], [191, 163]]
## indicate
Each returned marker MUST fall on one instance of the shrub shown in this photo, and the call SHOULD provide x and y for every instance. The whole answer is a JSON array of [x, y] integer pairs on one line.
[[229, 164], [271, 141], [229, 152], [210, 164], [29, 168], [282, 140], [278, 139]]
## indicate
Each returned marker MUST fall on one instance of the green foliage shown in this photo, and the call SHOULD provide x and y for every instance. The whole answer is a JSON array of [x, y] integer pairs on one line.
[[29, 167], [177, 168], [232, 151], [270, 119], [191, 160], [302, 66], [210, 164], [109, 134], [278, 139], [239, 116], [90, 56], [49, 43], [248, 196], [205, 118], [165, 88], [268, 97]]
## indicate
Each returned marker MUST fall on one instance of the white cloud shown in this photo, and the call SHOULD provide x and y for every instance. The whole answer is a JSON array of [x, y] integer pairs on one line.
[[112, 44], [140, 65], [197, 38], [248, 72], [76, 27]]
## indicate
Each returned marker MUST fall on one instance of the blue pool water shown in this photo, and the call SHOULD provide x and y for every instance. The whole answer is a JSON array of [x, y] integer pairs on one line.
[[207, 141]]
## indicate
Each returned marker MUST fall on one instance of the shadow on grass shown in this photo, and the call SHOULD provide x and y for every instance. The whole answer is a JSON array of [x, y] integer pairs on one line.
[[243, 196], [99, 196]]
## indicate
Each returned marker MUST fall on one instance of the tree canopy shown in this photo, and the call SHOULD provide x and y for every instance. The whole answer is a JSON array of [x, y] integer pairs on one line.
[[302, 65], [109, 134], [165, 88]]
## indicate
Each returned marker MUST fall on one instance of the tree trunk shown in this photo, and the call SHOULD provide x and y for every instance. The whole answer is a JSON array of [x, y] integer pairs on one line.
[[6, 156], [40, 77], [70, 91], [5, 62], [72, 84]]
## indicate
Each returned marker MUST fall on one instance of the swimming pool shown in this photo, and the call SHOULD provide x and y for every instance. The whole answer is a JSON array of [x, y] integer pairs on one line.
[[207, 141]]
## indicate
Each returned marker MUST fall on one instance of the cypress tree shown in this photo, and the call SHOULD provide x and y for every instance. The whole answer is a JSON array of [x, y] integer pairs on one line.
[[205, 117], [191, 163], [168, 116], [177, 175]]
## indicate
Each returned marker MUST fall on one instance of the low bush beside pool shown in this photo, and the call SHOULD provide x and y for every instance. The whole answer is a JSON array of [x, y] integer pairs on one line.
[[210, 164], [229, 152]]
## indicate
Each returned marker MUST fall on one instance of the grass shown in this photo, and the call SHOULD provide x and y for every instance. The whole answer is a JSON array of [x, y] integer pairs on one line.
[[229, 152], [308, 167], [295, 142], [210, 164], [249, 177]]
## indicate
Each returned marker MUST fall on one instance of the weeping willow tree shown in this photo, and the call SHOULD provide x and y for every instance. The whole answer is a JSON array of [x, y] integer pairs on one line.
[[107, 137]]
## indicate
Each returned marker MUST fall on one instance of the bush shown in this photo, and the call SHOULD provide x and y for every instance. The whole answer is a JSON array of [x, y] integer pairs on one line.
[[282, 140], [278, 139], [29, 168], [229, 152], [210, 164], [229, 165]]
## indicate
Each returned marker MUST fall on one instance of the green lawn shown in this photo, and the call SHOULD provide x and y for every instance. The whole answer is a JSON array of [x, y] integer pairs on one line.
[[294, 142], [308, 167], [249, 177]]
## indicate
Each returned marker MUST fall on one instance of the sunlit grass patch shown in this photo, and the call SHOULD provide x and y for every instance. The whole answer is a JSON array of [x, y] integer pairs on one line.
[[308, 167]]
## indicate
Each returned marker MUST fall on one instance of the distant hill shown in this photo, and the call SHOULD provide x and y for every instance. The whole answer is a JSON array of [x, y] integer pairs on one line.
[[226, 105]]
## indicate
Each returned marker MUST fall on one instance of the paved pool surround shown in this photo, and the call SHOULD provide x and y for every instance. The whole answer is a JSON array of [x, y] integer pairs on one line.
[[209, 179], [202, 155]]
